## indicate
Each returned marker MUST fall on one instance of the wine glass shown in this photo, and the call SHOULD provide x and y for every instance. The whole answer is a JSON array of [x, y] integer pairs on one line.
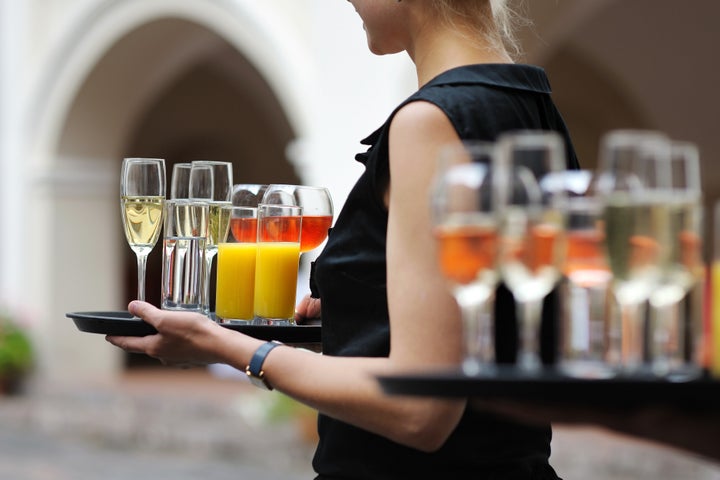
[[244, 225], [583, 337], [180, 181], [317, 210], [142, 195], [465, 227], [212, 182], [247, 194], [633, 176], [532, 244], [676, 305]]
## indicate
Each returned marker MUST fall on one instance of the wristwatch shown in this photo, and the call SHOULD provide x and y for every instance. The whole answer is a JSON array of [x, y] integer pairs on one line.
[[254, 369]]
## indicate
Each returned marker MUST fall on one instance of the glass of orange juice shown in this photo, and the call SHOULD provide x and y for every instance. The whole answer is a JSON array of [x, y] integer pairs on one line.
[[713, 342], [277, 262], [235, 287]]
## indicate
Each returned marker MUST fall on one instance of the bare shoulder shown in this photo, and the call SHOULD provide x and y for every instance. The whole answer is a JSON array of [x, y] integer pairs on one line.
[[420, 117], [417, 131]]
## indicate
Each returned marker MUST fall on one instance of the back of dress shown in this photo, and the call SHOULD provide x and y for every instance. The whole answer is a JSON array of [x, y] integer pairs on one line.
[[481, 101]]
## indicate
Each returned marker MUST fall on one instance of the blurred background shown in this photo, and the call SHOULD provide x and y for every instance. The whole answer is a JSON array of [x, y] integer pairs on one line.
[[285, 90]]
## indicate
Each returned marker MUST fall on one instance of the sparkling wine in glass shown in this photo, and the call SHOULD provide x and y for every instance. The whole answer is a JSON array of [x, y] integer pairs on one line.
[[465, 226], [142, 195], [634, 178], [677, 303], [532, 244], [212, 182]]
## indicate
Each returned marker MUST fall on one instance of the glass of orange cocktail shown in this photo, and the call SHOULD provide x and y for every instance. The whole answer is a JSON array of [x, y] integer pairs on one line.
[[276, 267], [585, 324], [465, 230], [235, 287], [317, 208], [531, 230]]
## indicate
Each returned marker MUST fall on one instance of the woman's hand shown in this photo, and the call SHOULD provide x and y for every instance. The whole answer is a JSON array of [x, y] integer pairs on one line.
[[183, 338]]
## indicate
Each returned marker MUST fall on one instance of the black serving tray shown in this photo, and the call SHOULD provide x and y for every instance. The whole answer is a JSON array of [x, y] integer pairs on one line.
[[124, 324], [552, 386]]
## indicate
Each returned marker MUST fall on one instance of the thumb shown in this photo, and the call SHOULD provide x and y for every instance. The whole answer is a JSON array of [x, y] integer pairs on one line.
[[146, 311]]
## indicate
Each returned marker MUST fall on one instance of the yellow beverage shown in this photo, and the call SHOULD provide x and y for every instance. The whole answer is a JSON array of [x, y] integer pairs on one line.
[[715, 324], [235, 281], [276, 279]]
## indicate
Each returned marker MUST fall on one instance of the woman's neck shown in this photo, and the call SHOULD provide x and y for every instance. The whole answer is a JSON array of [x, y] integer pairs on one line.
[[436, 51]]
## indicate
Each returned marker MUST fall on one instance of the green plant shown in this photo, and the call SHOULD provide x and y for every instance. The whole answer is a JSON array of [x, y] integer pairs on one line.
[[16, 351]]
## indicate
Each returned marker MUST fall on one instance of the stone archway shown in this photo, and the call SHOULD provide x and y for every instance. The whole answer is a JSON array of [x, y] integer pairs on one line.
[[143, 94]]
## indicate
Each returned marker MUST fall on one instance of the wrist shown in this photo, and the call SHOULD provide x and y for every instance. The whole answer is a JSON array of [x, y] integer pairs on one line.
[[254, 368]]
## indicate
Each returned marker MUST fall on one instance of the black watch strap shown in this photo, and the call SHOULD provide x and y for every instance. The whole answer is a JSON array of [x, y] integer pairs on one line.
[[254, 369]]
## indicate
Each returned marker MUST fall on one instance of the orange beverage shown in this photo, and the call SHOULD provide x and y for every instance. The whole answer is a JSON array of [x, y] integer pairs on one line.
[[644, 251], [715, 324], [235, 281], [276, 279], [465, 251], [585, 262], [280, 229], [540, 246], [314, 231], [244, 229]]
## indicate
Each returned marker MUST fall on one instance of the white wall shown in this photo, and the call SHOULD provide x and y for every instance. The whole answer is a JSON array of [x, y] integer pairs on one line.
[[313, 54]]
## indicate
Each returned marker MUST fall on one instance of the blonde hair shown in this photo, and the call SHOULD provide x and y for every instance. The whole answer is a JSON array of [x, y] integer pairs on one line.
[[494, 20]]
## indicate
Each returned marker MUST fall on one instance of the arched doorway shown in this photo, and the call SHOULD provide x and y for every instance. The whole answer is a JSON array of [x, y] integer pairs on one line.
[[169, 87]]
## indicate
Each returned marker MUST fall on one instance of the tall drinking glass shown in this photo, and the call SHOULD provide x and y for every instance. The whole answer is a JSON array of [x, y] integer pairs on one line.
[[276, 267], [212, 182], [633, 176], [532, 245], [142, 194], [677, 303], [183, 272], [466, 229], [235, 287], [713, 343]]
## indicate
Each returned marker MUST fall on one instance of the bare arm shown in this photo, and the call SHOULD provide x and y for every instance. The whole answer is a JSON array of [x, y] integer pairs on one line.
[[424, 319]]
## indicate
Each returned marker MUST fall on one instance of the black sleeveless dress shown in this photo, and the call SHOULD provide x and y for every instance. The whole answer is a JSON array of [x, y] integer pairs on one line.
[[349, 276]]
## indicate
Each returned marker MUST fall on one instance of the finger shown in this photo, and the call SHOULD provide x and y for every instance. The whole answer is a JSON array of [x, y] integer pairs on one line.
[[313, 308], [129, 344], [308, 307], [147, 311]]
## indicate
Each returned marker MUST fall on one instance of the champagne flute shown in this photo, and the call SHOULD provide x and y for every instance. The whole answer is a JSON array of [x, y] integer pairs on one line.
[[317, 210], [465, 227], [142, 195], [634, 178], [676, 305], [586, 289], [212, 182], [532, 245], [180, 181]]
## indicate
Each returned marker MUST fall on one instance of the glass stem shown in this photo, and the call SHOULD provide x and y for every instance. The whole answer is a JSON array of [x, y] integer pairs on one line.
[[632, 336], [477, 330], [141, 265], [529, 315]]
